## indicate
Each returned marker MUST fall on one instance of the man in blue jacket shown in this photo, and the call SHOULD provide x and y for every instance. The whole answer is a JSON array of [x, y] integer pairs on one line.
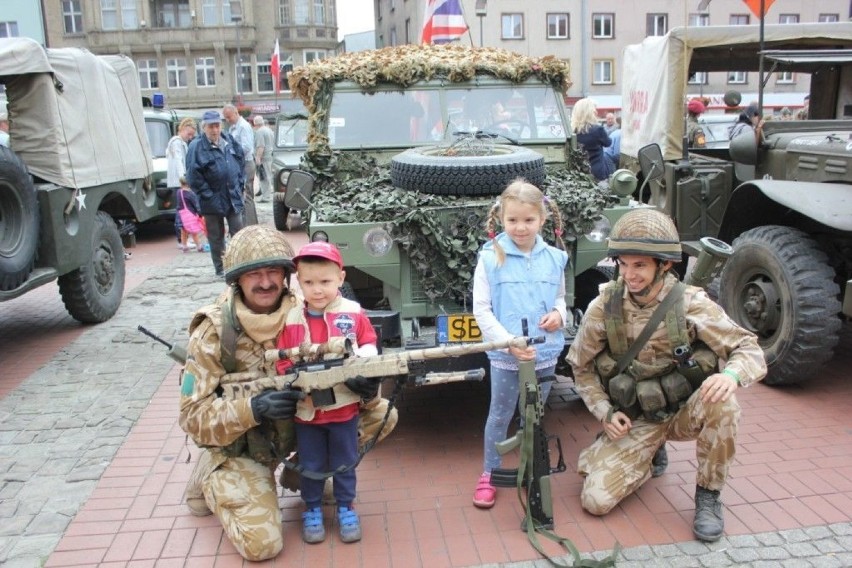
[[214, 168]]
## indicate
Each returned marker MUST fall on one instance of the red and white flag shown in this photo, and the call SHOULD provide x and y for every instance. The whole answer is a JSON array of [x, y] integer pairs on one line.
[[275, 67], [443, 21]]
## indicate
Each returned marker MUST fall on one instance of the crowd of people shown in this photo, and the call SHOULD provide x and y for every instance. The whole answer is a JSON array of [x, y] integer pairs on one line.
[[627, 358]]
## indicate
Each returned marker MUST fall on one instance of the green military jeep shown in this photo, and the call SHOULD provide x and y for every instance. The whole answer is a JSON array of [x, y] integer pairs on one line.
[[409, 153], [784, 204]]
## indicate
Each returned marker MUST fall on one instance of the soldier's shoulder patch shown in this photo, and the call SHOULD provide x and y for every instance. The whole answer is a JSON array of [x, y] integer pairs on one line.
[[188, 384]]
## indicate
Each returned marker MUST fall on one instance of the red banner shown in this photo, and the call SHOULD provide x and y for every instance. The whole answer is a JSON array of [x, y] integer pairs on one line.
[[754, 6]]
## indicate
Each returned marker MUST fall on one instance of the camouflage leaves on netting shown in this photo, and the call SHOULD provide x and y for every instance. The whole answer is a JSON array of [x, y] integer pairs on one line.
[[441, 235]]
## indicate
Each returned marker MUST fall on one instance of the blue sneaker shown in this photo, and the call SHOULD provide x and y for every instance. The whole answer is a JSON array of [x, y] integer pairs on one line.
[[350, 525], [313, 530]]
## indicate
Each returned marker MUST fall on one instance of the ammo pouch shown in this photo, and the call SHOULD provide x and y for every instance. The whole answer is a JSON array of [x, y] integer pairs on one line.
[[267, 443]]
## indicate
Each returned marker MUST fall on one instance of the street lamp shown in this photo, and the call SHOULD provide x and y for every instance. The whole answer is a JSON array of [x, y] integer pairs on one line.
[[237, 18], [480, 11]]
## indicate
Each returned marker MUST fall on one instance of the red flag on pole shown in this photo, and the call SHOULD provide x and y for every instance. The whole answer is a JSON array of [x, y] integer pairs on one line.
[[275, 68], [754, 6], [443, 21]]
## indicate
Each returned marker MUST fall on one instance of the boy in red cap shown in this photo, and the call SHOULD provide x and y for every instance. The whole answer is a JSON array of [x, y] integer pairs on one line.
[[327, 437]]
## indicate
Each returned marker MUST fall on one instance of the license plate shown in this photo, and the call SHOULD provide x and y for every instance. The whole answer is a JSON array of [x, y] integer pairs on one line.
[[458, 328]]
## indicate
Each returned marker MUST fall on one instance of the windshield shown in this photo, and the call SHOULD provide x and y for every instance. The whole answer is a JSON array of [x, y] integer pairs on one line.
[[717, 129], [158, 137], [291, 133], [381, 119]]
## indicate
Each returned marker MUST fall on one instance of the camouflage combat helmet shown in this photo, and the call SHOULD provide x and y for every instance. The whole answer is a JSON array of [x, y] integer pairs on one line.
[[645, 232], [256, 246]]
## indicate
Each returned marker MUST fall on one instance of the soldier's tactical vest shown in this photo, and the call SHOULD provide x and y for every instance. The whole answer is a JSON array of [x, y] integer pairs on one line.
[[653, 391], [270, 441]]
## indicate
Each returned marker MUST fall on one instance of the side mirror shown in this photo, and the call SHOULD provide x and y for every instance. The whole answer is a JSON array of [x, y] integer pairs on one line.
[[743, 148], [651, 162], [300, 184]]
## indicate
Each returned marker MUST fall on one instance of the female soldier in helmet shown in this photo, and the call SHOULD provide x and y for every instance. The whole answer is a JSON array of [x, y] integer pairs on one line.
[[656, 360]]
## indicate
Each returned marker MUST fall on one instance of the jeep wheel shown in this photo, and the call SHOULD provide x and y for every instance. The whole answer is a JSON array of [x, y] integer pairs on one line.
[[92, 293], [586, 285], [280, 212], [428, 170], [779, 285], [19, 221]]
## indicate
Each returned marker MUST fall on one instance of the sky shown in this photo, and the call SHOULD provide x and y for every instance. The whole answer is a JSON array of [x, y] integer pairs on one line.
[[354, 16]]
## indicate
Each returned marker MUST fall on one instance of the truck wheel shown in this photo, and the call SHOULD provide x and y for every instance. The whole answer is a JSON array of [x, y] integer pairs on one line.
[[280, 212], [779, 285], [92, 293], [19, 221], [428, 170], [586, 285]]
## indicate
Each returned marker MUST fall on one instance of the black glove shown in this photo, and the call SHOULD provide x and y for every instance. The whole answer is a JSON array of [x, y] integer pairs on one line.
[[275, 405], [366, 388]]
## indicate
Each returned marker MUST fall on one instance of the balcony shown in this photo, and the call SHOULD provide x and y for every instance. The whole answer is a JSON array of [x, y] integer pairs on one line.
[[144, 40]]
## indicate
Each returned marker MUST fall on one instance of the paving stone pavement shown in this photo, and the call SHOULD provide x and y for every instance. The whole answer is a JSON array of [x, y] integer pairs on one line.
[[60, 428]]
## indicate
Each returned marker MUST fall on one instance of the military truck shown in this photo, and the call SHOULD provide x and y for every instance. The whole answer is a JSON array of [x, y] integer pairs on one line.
[[291, 142], [78, 161], [784, 203], [409, 155]]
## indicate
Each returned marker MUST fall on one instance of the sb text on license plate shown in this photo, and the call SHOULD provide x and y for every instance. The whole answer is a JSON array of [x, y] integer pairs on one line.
[[457, 328]]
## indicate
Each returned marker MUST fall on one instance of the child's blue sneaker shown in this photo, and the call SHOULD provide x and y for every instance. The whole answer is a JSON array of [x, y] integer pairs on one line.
[[313, 530], [206, 247], [350, 525]]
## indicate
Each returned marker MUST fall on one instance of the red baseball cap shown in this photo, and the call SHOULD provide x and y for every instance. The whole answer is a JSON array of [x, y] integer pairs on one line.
[[320, 249]]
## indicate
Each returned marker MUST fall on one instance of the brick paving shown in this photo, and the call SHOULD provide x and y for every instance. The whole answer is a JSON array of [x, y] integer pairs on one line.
[[92, 461]]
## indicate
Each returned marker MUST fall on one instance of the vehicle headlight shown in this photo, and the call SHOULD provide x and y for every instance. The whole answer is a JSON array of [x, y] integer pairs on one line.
[[600, 230], [319, 236], [377, 242]]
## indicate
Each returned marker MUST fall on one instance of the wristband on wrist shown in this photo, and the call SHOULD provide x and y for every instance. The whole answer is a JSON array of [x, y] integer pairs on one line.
[[733, 375]]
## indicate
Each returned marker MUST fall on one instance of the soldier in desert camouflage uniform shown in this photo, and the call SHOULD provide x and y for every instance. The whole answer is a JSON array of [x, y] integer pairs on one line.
[[645, 245], [244, 440]]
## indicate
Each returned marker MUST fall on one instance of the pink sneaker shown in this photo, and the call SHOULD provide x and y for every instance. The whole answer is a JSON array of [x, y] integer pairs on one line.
[[485, 493]]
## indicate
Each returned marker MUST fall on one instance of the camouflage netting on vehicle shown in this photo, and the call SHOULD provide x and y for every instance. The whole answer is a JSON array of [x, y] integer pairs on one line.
[[443, 246], [405, 65]]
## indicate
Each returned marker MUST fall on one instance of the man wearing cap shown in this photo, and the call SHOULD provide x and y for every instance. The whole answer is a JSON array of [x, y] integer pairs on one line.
[[214, 170], [694, 133], [264, 144]]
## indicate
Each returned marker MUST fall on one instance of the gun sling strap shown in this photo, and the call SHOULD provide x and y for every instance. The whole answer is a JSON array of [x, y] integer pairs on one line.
[[231, 330]]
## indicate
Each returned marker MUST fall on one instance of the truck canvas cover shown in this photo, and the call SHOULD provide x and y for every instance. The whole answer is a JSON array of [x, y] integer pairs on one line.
[[76, 118], [656, 72]]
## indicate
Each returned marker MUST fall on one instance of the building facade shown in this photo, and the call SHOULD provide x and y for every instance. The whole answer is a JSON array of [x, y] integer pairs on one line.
[[592, 34], [189, 49]]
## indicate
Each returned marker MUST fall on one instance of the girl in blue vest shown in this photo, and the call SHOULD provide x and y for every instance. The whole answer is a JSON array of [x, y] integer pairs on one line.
[[517, 276]]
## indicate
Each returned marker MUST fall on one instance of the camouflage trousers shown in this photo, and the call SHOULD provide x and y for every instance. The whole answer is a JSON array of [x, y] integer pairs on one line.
[[241, 493], [614, 469]]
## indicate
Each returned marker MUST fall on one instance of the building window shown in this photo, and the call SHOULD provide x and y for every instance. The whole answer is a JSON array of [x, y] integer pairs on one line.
[[557, 26], [513, 26], [407, 30], [205, 72], [788, 19], [209, 13], [657, 24], [148, 74], [737, 77], [698, 78], [176, 73], [8, 29], [602, 72], [284, 17], [314, 54], [603, 26], [265, 83], [739, 20], [286, 62], [331, 18], [319, 12], [109, 15], [828, 18], [699, 20], [303, 13], [176, 14], [244, 75], [785, 78], [393, 38], [72, 14]]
